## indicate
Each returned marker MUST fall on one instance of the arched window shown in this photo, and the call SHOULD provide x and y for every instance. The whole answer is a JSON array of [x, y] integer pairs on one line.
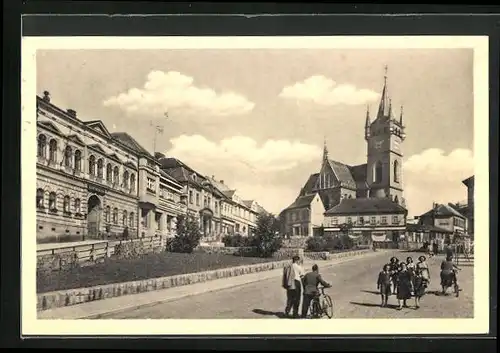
[[109, 173], [132, 182], [78, 160], [68, 154], [66, 207], [107, 214], [52, 201], [124, 219], [116, 175], [115, 216], [377, 172], [100, 168], [396, 171], [53, 150], [92, 165], [39, 198], [125, 179], [42, 145], [131, 219], [78, 206]]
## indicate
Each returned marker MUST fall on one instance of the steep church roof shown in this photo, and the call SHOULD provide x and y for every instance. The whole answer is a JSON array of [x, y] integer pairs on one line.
[[309, 185], [359, 173], [343, 173]]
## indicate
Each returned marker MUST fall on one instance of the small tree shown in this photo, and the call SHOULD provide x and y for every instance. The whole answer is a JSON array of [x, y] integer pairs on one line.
[[187, 237], [267, 239]]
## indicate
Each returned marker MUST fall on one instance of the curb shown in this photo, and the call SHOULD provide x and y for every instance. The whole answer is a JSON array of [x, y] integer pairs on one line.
[[184, 294]]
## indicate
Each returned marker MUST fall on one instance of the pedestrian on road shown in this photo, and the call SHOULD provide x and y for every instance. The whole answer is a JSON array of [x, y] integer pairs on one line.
[[311, 281], [410, 264], [384, 283], [394, 263], [421, 280], [404, 286], [291, 281]]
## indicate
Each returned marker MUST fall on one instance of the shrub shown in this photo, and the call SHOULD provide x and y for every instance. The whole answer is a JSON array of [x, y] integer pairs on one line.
[[316, 244], [187, 237], [329, 243], [267, 239], [237, 240]]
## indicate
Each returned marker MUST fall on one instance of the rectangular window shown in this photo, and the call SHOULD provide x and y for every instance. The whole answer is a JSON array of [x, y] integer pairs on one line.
[[197, 199], [151, 186], [349, 220], [383, 219], [335, 221], [361, 220], [373, 220], [395, 219], [190, 196]]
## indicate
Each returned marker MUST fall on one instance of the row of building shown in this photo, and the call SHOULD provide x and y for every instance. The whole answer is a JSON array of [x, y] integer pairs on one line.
[[368, 198], [93, 184]]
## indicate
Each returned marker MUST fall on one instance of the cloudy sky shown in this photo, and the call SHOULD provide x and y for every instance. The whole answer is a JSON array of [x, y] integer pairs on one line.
[[257, 118]]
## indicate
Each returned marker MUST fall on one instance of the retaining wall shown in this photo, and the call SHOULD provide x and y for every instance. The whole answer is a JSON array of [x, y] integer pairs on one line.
[[81, 295]]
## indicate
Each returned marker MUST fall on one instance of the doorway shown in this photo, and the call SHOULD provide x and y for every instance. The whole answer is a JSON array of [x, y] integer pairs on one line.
[[93, 216]]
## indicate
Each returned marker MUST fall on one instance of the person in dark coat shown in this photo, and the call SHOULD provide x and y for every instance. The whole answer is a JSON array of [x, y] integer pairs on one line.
[[310, 282], [384, 283], [404, 286]]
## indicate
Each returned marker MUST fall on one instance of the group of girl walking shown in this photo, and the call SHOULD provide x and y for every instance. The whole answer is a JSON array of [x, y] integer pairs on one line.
[[405, 280]]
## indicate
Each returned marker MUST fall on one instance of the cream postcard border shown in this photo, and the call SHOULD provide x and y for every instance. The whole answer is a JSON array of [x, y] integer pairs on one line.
[[32, 326]]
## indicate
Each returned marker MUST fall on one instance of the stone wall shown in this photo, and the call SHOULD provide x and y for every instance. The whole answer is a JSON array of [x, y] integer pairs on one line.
[[288, 253], [56, 262], [81, 295], [322, 255], [295, 242], [130, 249], [227, 250]]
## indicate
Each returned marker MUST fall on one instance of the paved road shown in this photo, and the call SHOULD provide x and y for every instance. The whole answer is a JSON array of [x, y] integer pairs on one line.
[[354, 294]]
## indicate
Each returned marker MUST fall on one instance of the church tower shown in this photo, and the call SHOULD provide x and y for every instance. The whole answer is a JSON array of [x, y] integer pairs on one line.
[[384, 137]]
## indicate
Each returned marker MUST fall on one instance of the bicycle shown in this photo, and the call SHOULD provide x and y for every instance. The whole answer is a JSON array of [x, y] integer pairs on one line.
[[456, 287], [321, 305]]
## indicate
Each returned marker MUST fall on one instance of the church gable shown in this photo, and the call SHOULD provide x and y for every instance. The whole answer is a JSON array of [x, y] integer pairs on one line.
[[327, 178]]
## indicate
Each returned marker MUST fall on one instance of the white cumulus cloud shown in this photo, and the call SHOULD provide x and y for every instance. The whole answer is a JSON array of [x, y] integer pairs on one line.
[[165, 90], [322, 90], [434, 176], [240, 154]]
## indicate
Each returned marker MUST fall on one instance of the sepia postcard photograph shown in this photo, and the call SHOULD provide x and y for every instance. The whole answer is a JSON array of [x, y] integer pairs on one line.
[[255, 185]]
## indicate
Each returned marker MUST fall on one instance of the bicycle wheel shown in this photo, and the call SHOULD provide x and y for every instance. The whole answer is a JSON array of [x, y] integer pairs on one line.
[[328, 309], [315, 310], [457, 290]]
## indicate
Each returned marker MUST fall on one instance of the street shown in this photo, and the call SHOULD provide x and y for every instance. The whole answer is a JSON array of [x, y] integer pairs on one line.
[[354, 294]]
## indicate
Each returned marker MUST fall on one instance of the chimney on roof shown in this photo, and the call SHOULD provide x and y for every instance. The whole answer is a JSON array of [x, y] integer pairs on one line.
[[221, 181], [71, 113], [46, 96], [159, 155]]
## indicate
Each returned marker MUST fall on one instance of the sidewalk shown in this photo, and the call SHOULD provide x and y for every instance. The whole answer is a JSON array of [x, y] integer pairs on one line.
[[96, 308]]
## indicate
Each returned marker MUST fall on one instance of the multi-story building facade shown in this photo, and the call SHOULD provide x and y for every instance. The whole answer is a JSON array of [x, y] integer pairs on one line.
[[371, 219], [238, 216], [89, 182], [445, 217], [203, 199], [469, 213], [303, 216]]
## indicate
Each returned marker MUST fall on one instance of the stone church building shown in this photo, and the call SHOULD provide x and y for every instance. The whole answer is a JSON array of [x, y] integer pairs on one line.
[[380, 178]]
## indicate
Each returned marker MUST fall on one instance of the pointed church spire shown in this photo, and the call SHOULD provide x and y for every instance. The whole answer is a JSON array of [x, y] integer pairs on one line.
[[384, 104], [367, 122], [401, 116], [325, 150], [389, 112]]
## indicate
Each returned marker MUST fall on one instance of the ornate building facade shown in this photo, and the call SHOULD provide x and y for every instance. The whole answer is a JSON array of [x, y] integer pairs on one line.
[[92, 184], [380, 178]]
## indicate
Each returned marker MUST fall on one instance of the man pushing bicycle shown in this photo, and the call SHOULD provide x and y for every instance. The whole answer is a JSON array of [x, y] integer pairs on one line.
[[310, 282]]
